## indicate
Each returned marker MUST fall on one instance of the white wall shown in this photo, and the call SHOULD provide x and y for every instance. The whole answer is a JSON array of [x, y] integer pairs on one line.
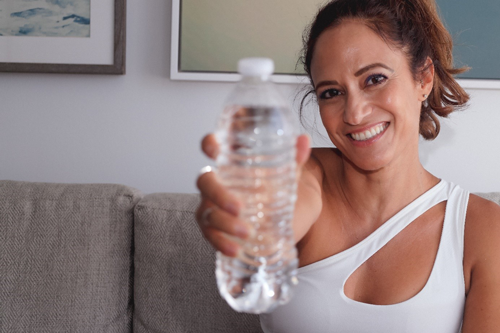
[[143, 130]]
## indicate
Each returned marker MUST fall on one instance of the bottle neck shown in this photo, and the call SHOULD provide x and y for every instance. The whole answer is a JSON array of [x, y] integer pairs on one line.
[[255, 79]]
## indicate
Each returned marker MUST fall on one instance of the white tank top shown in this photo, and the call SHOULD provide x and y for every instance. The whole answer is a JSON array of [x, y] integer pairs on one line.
[[320, 304]]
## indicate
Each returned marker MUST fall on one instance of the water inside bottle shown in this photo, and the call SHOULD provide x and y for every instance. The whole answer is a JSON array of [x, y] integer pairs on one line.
[[257, 163]]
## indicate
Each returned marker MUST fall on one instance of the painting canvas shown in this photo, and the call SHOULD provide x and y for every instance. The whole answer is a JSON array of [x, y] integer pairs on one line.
[[243, 28], [63, 36], [50, 18], [474, 26]]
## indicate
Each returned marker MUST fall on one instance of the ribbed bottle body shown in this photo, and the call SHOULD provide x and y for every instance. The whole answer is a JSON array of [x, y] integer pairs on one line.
[[256, 162]]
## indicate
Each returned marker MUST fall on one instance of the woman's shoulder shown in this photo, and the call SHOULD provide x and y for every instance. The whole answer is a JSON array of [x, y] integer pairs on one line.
[[482, 214]]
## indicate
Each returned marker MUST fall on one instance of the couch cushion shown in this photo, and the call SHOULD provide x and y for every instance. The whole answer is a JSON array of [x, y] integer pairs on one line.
[[492, 196], [174, 284], [65, 257]]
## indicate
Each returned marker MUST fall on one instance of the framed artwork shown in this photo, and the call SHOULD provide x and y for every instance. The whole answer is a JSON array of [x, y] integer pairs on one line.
[[63, 36], [474, 26], [209, 36]]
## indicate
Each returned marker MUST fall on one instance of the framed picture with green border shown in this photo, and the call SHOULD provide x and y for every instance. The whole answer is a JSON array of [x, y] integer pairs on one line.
[[210, 36]]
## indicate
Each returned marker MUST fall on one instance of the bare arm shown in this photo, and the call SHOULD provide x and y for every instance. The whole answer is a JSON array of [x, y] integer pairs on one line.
[[482, 259]]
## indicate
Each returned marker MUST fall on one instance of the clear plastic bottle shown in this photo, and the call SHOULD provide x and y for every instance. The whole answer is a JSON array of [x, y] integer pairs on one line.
[[257, 134]]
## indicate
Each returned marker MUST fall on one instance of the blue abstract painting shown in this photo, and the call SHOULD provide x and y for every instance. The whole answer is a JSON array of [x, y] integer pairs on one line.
[[54, 18]]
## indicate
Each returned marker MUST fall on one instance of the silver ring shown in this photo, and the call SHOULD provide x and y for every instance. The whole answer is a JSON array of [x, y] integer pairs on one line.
[[205, 214], [206, 169]]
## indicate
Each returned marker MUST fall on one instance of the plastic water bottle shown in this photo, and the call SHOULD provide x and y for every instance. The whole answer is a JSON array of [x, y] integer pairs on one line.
[[257, 134]]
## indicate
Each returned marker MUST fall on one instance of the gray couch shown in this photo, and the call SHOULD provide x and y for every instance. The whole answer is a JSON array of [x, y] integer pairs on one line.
[[105, 258]]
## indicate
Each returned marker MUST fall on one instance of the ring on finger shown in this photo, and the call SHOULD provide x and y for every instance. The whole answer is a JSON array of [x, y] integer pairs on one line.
[[205, 214], [206, 169]]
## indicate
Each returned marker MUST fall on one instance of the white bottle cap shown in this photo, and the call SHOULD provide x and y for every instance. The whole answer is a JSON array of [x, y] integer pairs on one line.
[[262, 67]]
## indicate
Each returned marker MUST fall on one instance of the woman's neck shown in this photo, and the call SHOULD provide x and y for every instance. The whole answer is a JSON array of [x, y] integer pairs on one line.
[[375, 196]]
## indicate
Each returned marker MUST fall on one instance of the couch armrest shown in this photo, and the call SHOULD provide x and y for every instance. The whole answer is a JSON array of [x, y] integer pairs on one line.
[[65, 257]]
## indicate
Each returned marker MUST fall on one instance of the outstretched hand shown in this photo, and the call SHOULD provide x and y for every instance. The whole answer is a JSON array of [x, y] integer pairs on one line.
[[219, 209]]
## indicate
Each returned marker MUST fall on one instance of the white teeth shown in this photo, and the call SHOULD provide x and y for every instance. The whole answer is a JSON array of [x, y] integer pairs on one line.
[[368, 134]]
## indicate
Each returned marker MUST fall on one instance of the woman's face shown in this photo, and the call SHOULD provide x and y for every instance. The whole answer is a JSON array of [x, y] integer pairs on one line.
[[369, 102]]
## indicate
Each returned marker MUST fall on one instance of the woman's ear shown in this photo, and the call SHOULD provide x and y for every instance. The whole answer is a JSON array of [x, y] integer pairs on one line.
[[426, 79]]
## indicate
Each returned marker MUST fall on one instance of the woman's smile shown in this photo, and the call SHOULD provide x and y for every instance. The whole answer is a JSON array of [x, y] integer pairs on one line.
[[370, 134]]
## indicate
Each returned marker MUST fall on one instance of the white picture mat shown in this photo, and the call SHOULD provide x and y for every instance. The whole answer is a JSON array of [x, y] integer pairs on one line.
[[479, 84], [96, 50], [175, 74]]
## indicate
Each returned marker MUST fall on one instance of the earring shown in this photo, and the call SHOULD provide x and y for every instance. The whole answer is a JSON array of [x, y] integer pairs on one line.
[[425, 96]]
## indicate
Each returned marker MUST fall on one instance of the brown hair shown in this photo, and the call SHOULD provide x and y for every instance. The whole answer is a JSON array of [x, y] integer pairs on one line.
[[415, 27]]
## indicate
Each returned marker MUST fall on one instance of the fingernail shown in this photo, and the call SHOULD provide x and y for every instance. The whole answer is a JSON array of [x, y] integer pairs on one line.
[[232, 251], [251, 232], [210, 150], [242, 231], [232, 208]]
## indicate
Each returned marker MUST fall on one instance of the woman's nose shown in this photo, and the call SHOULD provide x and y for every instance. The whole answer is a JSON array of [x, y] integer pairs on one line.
[[356, 109]]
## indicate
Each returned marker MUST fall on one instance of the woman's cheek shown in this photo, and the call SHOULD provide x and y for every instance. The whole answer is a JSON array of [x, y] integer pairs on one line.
[[328, 119]]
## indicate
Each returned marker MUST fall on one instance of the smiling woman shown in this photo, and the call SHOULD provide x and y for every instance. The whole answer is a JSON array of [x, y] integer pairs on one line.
[[54, 18], [384, 245]]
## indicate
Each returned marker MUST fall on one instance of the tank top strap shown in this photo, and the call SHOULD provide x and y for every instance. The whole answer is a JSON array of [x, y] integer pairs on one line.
[[452, 241], [392, 227]]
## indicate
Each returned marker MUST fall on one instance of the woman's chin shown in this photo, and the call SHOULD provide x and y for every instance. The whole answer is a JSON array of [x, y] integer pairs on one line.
[[368, 164]]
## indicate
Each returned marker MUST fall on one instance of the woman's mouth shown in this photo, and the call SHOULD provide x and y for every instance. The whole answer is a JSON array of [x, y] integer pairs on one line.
[[369, 133]]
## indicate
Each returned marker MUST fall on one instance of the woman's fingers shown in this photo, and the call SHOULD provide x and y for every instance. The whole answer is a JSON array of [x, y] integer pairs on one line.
[[210, 146], [212, 190], [217, 225], [303, 152], [221, 243], [210, 217], [217, 215], [303, 149]]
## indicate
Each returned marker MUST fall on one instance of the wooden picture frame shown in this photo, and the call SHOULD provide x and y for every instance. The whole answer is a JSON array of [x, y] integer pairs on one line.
[[110, 14]]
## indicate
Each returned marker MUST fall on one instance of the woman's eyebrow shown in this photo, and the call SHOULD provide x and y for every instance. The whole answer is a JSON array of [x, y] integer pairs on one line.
[[358, 73], [367, 68], [325, 83]]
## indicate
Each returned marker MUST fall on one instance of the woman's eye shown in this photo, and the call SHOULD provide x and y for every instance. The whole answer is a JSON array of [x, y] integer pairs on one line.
[[329, 93], [375, 79]]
